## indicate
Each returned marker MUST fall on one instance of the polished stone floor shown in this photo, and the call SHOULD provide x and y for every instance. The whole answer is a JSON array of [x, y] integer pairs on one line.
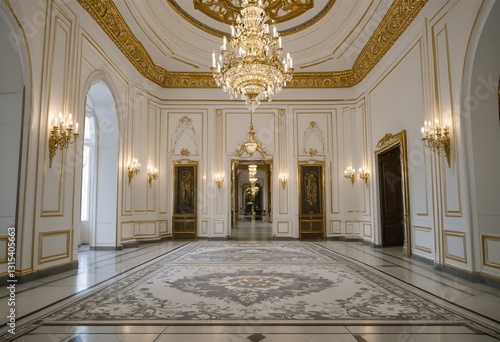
[[98, 268], [247, 229]]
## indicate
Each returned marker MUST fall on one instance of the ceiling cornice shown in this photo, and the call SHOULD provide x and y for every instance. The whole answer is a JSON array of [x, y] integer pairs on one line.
[[398, 17]]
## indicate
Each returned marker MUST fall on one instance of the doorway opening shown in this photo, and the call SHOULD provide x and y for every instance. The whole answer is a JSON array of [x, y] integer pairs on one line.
[[393, 188], [251, 213]]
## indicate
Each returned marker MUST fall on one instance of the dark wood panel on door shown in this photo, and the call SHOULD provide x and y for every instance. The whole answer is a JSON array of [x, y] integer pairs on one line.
[[184, 221], [311, 208], [391, 198]]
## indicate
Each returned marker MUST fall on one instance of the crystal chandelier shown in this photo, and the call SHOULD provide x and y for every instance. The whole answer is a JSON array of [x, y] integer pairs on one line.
[[253, 68]]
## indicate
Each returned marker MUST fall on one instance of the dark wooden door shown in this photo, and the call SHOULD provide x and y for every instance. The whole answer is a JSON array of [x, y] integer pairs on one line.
[[391, 198]]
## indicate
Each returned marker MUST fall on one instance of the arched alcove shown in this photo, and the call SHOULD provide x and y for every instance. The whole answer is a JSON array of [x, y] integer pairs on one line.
[[12, 120]]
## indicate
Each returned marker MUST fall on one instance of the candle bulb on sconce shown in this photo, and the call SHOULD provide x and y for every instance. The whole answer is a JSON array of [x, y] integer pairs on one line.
[[364, 174], [152, 174], [283, 178], [219, 180], [61, 136], [437, 138], [133, 168], [349, 174]]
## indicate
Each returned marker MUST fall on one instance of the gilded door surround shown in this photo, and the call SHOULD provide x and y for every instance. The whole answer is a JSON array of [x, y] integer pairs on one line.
[[388, 142], [398, 17]]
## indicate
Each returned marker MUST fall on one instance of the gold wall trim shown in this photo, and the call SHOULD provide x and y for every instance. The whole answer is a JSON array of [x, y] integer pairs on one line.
[[486, 260], [399, 16], [53, 257]]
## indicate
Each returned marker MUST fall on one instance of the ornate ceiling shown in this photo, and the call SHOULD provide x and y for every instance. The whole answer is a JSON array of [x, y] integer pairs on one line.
[[334, 43]]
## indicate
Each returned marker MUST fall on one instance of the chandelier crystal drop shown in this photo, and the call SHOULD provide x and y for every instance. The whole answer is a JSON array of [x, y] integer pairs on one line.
[[253, 68]]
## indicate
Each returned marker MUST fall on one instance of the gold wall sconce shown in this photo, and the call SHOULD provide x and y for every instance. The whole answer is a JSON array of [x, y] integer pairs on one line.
[[61, 135], [152, 174], [283, 178], [437, 138], [134, 167], [219, 181], [364, 174], [349, 174]]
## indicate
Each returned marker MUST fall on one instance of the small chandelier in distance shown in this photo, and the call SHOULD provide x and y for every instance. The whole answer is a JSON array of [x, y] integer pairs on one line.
[[253, 68], [251, 144]]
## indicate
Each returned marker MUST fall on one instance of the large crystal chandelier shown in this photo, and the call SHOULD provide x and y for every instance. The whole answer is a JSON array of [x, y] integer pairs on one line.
[[253, 67]]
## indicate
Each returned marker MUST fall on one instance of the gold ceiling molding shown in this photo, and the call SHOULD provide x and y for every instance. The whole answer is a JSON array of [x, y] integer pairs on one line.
[[399, 16]]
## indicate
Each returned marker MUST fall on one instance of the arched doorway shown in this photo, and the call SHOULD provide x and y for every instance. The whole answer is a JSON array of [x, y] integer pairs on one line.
[[14, 122], [100, 168]]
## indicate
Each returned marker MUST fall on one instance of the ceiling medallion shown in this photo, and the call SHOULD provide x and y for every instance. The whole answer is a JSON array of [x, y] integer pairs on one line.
[[252, 68], [278, 11]]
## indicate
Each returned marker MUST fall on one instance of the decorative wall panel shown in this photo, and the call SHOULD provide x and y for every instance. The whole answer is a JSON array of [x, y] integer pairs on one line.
[[53, 246], [127, 230], [336, 227], [491, 250], [58, 66], [284, 228], [454, 246], [423, 239], [218, 227]]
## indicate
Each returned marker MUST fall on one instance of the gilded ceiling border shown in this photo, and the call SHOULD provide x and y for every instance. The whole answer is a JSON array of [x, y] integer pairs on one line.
[[399, 16]]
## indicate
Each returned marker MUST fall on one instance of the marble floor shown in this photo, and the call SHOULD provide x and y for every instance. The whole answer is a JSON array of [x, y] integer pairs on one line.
[[98, 268]]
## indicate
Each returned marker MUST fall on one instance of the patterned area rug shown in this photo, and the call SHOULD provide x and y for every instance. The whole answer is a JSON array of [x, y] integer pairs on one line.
[[273, 283]]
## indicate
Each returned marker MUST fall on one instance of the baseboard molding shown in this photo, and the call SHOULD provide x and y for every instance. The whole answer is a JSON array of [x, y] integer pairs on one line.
[[284, 238], [345, 238], [472, 277], [106, 248], [43, 273]]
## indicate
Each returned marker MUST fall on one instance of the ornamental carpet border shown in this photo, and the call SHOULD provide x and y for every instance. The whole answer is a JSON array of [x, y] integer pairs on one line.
[[283, 283]]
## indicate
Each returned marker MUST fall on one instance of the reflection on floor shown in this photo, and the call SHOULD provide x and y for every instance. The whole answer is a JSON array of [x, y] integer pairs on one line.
[[98, 268], [247, 230]]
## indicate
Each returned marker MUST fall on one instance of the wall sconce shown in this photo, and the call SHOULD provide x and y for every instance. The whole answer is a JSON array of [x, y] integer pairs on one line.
[[134, 167], [283, 178], [219, 180], [349, 174], [364, 174], [152, 174], [61, 134], [437, 138]]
